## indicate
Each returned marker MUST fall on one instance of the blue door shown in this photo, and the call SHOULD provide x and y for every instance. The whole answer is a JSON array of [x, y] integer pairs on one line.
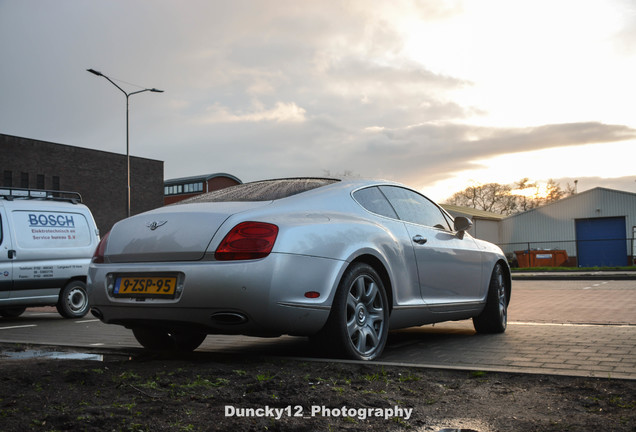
[[601, 242]]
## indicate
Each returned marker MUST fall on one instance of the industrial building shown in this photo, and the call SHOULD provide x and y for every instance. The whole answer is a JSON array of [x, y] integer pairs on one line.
[[485, 224], [592, 228], [178, 189]]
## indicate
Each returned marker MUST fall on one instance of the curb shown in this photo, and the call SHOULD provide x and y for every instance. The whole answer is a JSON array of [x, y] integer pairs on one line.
[[574, 276]]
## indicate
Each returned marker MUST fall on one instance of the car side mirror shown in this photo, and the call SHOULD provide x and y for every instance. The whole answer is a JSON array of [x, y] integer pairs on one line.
[[462, 224]]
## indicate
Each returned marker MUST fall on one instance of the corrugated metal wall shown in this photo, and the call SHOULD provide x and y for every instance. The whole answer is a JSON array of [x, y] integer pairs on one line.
[[553, 226]]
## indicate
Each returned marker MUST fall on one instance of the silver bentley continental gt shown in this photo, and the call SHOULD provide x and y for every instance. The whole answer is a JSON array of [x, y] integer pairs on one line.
[[341, 261]]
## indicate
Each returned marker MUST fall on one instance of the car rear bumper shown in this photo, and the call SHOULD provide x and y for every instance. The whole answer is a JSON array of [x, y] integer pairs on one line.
[[264, 297]]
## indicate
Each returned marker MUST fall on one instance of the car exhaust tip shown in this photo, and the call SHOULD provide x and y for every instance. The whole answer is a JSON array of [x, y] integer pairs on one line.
[[228, 318], [97, 313]]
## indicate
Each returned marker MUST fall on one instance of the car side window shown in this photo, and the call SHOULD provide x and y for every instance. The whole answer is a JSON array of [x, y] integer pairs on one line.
[[373, 200], [415, 208]]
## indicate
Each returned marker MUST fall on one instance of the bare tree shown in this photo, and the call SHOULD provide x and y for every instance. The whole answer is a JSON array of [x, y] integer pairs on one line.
[[520, 196], [492, 197]]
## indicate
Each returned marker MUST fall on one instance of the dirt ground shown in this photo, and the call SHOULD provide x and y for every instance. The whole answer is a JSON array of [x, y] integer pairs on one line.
[[207, 392]]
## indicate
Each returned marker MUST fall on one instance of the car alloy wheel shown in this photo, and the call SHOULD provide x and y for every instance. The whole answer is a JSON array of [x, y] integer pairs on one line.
[[360, 315], [494, 317]]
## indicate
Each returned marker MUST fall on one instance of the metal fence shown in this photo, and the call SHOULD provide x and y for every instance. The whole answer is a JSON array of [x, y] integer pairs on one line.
[[569, 248]]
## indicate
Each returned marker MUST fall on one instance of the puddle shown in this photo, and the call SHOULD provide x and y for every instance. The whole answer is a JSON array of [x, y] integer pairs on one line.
[[53, 355]]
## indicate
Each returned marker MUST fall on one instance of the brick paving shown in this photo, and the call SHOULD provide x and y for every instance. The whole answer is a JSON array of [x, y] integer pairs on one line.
[[579, 350], [564, 327], [580, 328], [574, 301]]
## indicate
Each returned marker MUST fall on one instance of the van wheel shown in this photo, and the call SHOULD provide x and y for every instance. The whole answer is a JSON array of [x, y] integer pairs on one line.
[[73, 301], [12, 312]]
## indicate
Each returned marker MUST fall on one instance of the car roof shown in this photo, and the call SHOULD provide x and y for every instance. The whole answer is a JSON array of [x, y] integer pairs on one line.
[[275, 189]]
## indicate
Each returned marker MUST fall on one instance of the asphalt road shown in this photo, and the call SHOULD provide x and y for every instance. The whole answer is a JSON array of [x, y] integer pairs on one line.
[[566, 327]]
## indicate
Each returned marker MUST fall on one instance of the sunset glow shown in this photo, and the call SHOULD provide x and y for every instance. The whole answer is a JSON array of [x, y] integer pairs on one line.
[[439, 95]]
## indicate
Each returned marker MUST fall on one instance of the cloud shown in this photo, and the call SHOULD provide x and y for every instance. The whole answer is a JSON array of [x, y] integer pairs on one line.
[[585, 183], [435, 151], [279, 88], [280, 113]]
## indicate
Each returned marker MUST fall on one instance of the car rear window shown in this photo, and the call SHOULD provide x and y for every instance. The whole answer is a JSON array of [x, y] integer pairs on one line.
[[373, 200], [266, 190]]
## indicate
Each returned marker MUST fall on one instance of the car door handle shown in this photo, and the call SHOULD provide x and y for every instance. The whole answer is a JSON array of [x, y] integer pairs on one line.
[[11, 254], [419, 239]]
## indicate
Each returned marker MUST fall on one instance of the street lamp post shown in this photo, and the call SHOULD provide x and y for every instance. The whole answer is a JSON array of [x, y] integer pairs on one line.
[[154, 90]]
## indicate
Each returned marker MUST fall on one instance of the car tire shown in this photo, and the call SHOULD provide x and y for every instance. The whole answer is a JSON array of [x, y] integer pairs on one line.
[[158, 339], [494, 317], [13, 312], [358, 324], [73, 300]]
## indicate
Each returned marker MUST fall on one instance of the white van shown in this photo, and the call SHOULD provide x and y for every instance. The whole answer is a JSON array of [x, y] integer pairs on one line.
[[47, 239]]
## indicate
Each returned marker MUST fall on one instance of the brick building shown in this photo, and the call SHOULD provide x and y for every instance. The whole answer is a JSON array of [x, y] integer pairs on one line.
[[99, 176]]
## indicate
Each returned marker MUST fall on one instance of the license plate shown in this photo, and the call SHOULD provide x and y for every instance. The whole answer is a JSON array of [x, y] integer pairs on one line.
[[145, 286]]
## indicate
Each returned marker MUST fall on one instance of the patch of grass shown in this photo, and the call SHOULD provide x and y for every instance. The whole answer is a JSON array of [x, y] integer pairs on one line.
[[378, 376], [620, 403], [128, 406], [401, 422], [374, 392], [127, 375], [408, 378], [202, 382], [264, 377]]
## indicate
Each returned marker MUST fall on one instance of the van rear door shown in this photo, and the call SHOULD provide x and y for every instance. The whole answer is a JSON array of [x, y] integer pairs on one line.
[[6, 257]]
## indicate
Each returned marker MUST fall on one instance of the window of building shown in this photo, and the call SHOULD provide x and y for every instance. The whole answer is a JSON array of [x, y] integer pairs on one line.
[[183, 188], [40, 181], [8, 179], [24, 180], [56, 183]]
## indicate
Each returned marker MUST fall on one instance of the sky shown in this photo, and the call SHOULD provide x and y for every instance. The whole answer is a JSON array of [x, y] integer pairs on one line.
[[439, 95]]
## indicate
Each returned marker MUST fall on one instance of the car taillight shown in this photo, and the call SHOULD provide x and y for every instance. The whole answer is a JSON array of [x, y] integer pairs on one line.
[[98, 256], [247, 240]]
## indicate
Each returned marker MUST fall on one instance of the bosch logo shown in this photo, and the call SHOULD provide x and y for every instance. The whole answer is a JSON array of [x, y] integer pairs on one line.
[[51, 220]]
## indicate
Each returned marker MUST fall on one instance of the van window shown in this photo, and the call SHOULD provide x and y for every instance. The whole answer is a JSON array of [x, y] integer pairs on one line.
[[45, 229]]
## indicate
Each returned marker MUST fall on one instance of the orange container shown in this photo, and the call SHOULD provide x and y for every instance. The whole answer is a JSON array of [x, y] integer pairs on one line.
[[542, 258]]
